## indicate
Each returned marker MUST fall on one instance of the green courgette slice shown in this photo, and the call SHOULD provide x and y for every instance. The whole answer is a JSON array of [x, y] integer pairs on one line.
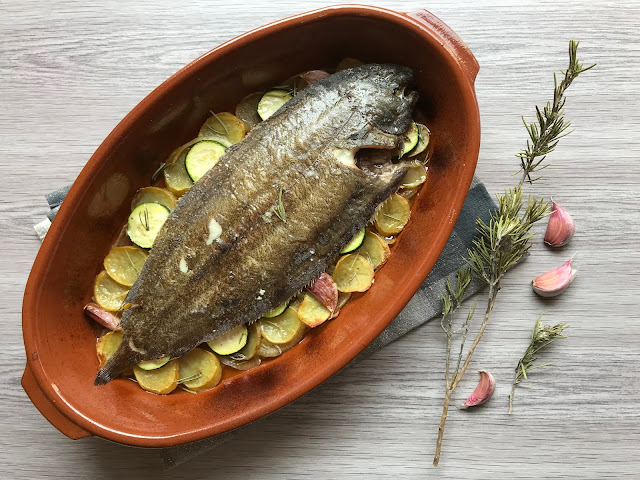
[[145, 222], [277, 310], [271, 102], [154, 364], [230, 342], [202, 157], [423, 141], [355, 242], [410, 139]]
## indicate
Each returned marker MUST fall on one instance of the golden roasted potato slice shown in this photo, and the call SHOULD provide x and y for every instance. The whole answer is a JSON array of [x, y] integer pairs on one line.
[[154, 195], [123, 264], [312, 311], [343, 298], [108, 293], [200, 370], [281, 329], [353, 273], [392, 215], [175, 172], [107, 345], [224, 127], [162, 380], [415, 176], [375, 249], [268, 349], [154, 364]]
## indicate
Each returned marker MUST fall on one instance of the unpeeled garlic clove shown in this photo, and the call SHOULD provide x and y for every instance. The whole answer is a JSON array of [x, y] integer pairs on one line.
[[483, 391], [555, 281], [560, 228]]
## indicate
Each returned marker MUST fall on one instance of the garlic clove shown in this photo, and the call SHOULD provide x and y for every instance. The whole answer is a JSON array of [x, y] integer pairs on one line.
[[560, 228], [555, 281], [483, 391]]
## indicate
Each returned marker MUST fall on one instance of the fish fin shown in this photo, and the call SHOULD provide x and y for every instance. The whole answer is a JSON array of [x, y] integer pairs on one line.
[[120, 361]]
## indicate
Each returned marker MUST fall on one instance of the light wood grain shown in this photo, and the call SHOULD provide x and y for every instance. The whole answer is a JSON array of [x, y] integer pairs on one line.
[[70, 70]]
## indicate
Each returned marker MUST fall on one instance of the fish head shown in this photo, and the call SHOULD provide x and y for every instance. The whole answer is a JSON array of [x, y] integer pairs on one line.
[[388, 99]]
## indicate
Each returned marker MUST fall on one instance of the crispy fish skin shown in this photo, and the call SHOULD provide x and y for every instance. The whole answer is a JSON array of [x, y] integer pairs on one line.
[[224, 258]]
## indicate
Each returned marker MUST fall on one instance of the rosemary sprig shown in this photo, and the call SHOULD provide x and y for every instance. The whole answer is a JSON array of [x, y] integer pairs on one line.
[[551, 125], [503, 242], [279, 208], [144, 219], [189, 378], [158, 172], [226, 130], [540, 338]]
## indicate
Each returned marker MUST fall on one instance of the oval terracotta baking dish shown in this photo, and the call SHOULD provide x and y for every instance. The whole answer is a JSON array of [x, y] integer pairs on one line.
[[60, 341]]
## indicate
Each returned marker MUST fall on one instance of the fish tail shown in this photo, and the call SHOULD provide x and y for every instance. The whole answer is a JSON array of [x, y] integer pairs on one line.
[[120, 361]]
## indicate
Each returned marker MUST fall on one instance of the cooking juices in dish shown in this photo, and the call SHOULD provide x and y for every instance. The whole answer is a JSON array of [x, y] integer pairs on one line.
[[285, 210]]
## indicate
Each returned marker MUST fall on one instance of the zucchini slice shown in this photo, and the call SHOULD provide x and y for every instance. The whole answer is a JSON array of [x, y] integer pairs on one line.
[[271, 102], [410, 139], [424, 136], [277, 310], [202, 157], [153, 364], [231, 341], [145, 222], [355, 242]]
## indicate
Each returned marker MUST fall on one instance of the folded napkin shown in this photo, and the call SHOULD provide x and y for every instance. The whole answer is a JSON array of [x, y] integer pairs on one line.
[[425, 304]]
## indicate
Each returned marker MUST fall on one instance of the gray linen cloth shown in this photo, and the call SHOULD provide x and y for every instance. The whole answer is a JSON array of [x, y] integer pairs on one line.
[[425, 304]]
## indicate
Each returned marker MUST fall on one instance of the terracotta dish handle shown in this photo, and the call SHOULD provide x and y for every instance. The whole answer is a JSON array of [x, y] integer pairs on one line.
[[452, 42], [48, 409]]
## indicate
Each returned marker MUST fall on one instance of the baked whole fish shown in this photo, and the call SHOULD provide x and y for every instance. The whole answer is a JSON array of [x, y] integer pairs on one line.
[[224, 258]]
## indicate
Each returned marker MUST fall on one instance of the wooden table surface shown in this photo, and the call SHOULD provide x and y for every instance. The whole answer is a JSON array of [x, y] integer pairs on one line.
[[70, 70]]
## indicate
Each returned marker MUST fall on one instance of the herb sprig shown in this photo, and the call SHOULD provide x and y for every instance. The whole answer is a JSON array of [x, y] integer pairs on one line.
[[501, 243], [540, 338]]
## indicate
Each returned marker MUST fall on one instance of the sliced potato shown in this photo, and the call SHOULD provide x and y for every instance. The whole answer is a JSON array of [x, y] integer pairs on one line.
[[122, 240], [424, 135], [247, 110], [281, 329], [107, 346], [153, 364], [229, 361], [415, 176], [123, 264], [312, 312], [375, 249], [154, 195], [343, 298], [161, 381], [231, 341], [392, 215], [108, 293], [353, 273], [223, 127], [202, 367], [175, 173], [269, 350]]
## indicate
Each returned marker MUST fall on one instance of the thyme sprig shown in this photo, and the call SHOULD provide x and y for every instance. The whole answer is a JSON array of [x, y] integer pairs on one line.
[[551, 125], [279, 208], [540, 338], [501, 243]]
